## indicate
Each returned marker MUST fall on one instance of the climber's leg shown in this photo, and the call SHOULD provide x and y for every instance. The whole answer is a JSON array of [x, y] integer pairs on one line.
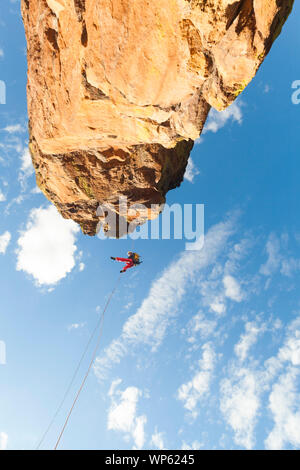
[[129, 264]]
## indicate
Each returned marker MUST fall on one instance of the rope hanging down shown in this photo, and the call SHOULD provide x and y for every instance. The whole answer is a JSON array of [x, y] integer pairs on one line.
[[71, 382], [97, 327], [90, 365]]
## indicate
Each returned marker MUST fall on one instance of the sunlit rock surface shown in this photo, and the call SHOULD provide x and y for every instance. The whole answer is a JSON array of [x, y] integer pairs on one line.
[[118, 90]]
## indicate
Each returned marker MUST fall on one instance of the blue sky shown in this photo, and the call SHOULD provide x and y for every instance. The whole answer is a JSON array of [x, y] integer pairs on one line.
[[200, 349]]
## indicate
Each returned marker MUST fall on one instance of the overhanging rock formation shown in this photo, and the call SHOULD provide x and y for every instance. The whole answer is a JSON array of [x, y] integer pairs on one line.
[[118, 90]]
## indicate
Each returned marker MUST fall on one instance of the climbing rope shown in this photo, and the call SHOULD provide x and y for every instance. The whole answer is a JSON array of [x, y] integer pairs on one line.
[[98, 326], [90, 365]]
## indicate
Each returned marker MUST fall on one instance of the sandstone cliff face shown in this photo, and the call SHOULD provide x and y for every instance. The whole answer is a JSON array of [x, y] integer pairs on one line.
[[118, 90]]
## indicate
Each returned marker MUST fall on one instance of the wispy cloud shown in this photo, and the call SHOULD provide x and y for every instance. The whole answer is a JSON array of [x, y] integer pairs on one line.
[[273, 252], [239, 405], [192, 392], [157, 440], [14, 129], [76, 326], [191, 171], [149, 324], [232, 288], [245, 379], [14, 146], [199, 326], [248, 339], [278, 259], [219, 286], [290, 351], [243, 390], [26, 169], [285, 408], [289, 266], [218, 119], [195, 445]]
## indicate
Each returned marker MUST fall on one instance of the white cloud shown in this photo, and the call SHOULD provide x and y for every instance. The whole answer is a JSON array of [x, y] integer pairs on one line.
[[14, 129], [212, 285], [288, 354], [218, 119], [285, 408], [2, 196], [289, 266], [114, 385], [36, 190], [273, 261], [239, 251], [195, 445], [200, 326], [17, 200], [26, 169], [76, 326], [191, 392], [232, 288], [290, 351], [191, 171], [1, 53], [4, 241], [241, 392], [212, 291], [283, 399], [157, 440], [81, 266], [26, 162], [3, 440], [47, 246], [248, 339], [138, 431], [277, 260], [217, 305], [149, 324], [122, 414], [239, 405]]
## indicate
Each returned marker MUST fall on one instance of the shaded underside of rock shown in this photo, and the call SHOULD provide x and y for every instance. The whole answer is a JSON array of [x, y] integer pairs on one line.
[[118, 90]]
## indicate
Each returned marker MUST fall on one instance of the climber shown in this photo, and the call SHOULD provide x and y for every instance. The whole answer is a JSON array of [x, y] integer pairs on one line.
[[132, 260]]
